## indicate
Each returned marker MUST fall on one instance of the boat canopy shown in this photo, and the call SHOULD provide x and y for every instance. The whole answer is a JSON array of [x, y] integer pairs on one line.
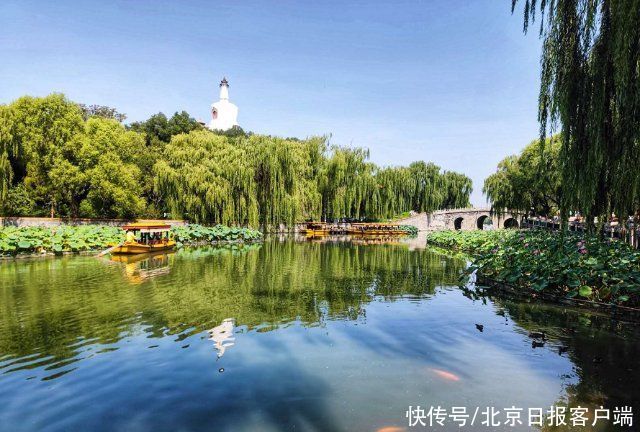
[[147, 227]]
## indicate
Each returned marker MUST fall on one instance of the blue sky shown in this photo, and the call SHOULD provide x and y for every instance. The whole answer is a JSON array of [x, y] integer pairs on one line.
[[453, 82]]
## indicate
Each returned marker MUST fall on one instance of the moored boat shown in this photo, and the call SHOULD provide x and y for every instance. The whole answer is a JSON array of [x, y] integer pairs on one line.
[[321, 229], [316, 229], [379, 229]]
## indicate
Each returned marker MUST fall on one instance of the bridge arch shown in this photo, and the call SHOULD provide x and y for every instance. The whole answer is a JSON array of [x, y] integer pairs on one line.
[[510, 223], [481, 221], [463, 219]]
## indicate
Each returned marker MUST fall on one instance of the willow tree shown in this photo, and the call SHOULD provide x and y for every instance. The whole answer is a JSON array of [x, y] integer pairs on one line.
[[590, 90], [206, 178], [352, 187], [529, 182], [420, 187], [254, 180], [429, 190], [8, 150], [346, 183], [284, 172], [457, 189], [393, 192]]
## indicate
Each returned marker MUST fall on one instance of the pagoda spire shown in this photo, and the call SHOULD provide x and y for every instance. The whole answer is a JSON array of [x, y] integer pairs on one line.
[[224, 89]]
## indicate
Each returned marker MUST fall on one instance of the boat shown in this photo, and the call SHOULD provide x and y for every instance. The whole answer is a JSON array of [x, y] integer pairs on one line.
[[316, 229], [376, 229], [321, 229], [145, 238]]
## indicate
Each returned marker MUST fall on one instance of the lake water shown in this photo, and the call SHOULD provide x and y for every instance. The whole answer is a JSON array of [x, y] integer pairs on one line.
[[304, 336]]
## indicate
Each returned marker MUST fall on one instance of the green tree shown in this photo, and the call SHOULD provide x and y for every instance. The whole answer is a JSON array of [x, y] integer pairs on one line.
[[590, 89], [103, 111], [109, 171], [8, 150], [529, 182], [458, 188], [46, 131], [160, 128], [254, 180], [61, 158], [346, 183], [158, 131], [56, 163]]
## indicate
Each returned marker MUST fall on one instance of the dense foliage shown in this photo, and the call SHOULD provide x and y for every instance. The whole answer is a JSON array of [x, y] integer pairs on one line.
[[259, 180], [70, 238], [571, 265], [529, 182], [56, 163], [590, 88], [59, 158]]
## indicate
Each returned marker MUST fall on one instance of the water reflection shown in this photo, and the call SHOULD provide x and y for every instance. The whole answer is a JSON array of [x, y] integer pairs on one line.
[[605, 353], [139, 267], [286, 335], [222, 335], [56, 309]]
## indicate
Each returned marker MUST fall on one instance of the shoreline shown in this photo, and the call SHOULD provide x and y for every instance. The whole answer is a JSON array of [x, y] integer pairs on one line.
[[95, 252], [485, 283], [612, 310]]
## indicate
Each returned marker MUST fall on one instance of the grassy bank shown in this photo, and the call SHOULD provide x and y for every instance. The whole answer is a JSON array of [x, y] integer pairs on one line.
[[572, 266], [35, 240]]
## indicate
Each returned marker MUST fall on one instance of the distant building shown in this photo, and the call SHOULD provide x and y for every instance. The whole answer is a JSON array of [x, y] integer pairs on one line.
[[224, 114]]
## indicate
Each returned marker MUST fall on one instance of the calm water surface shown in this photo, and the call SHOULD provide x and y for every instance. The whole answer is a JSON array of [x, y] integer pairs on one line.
[[286, 336]]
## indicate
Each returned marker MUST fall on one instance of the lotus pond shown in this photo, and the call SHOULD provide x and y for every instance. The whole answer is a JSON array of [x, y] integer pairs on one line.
[[572, 266], [284, 335], [68, 238]]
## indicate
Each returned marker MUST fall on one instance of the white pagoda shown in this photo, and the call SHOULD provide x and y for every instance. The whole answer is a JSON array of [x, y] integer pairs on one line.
[[224, 114]]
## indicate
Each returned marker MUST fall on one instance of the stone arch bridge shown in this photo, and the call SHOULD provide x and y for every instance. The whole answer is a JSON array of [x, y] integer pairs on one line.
[[465, 219]]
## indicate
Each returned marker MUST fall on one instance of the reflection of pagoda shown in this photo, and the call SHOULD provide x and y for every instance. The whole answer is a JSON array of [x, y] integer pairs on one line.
[[222, 335]]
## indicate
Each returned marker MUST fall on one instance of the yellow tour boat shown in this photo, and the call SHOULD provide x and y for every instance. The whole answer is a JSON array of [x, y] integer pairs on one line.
[[317, 229], [379, 229], [145, 238]]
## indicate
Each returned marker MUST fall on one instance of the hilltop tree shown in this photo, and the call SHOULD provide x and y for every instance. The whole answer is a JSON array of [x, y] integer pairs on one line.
[[159, 128], [102, 111]]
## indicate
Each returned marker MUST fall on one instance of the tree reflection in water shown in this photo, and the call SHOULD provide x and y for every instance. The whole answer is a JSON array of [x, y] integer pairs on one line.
[[603, 351], [321, 369], [53, 307]]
